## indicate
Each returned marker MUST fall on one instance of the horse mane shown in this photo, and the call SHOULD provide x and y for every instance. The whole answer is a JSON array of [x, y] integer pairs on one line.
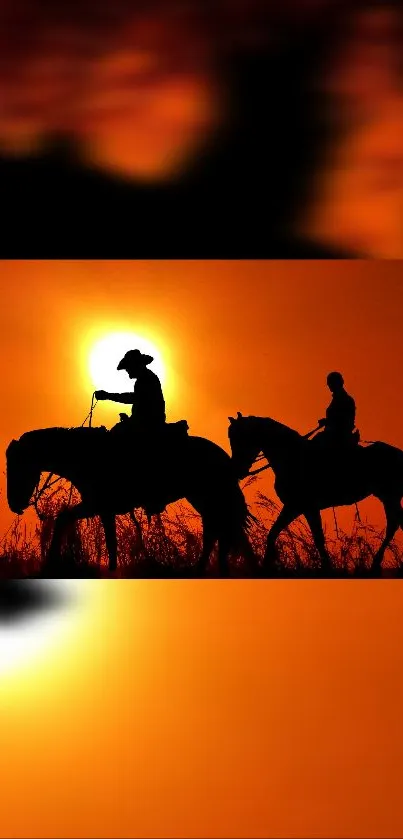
[[279, 427], [59, 430]]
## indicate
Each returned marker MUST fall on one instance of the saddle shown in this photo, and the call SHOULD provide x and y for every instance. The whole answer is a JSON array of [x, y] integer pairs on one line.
[[175, 430], [163, 448], [168, 430], [356, 437], [151, 455], [334, 445], [333, 463]]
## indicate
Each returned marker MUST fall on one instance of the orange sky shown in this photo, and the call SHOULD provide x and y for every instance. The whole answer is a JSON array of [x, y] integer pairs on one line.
[[209, 708]]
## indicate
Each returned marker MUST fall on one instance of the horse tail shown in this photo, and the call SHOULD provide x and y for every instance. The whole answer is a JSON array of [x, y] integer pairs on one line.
[[224, 502], [237, 518]]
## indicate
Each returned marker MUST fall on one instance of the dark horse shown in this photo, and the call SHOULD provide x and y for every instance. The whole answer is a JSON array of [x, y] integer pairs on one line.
[[199, 471], [307, 481]]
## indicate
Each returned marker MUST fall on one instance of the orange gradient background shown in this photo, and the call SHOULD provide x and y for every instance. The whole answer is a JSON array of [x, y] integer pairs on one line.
[[209, 708]]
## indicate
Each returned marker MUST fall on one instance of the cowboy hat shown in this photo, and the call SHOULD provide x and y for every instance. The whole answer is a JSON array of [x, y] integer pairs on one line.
[[134, 357]]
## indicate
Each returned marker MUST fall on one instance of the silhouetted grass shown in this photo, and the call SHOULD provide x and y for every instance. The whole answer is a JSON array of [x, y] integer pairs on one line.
[[170, 545]]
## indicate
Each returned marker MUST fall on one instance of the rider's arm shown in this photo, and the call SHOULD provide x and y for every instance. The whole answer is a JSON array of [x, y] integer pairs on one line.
[[127, 398], [351, 414]]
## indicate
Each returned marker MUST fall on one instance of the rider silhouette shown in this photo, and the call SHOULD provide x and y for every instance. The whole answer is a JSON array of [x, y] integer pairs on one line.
[[147, 421], [148, 411], [339, 423]]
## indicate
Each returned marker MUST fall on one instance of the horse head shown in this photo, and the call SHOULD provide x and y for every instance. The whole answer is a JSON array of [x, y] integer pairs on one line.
[[22, 476], [244, 446]]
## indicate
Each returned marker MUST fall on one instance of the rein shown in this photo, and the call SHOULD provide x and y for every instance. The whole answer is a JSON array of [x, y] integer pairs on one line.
[[49, 483], [91, 411], [256, 471]]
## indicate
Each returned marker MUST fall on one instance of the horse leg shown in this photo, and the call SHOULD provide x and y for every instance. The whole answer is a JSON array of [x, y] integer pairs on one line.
[[314, 520], [109, 525], [224, 547], [63, 519], [211, 535], [394, 519], [249, 555], [285, 517], [137, 526], [209, 540], [241, 544]]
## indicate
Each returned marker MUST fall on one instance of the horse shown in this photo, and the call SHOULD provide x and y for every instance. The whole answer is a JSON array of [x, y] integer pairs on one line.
[[307, 480], [198, 470]]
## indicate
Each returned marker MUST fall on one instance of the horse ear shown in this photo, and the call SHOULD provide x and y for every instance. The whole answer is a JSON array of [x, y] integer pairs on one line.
[[239, 415], [231, 419]]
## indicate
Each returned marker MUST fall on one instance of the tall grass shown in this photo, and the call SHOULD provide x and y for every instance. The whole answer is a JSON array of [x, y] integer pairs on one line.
[[170, 545]]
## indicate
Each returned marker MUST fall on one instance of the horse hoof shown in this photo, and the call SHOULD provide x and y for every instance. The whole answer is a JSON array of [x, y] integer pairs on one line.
[[269, 568], [269, 562], [326, 568], [51, 573], [376, 563], [51, 566], [197, 570]]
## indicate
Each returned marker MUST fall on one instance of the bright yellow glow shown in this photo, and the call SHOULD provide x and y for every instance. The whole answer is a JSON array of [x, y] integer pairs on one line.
[[23, 642], [106, 354]]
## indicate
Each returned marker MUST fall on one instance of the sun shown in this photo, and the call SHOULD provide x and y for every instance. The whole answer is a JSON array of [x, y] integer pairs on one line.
[[105, 356]]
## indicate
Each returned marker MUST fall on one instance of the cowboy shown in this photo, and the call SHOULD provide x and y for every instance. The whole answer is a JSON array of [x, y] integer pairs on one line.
[[147, 421], [339, 423], [148, 411]]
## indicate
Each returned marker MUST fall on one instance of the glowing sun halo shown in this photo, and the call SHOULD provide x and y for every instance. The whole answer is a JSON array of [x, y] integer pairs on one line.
[[106, 354]]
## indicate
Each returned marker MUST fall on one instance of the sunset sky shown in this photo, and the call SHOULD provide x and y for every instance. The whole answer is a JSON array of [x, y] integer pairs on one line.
[[208, 708]]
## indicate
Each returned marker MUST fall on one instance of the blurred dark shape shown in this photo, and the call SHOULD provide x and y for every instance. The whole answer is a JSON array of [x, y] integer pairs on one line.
[[22, 599], [198, 129]]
